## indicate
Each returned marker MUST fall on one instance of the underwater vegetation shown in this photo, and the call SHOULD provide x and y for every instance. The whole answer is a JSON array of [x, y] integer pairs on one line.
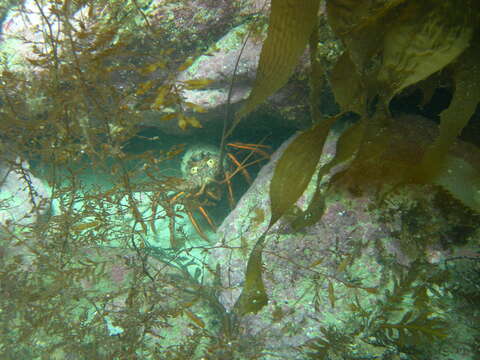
[[82, 272], [99, 259], [388, 46]]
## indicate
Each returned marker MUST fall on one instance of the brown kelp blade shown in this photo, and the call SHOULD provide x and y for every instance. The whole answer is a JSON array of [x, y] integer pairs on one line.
[[425, 37], [292, 174], [253, 297], [296, 168], [466, 77], [291, 23]]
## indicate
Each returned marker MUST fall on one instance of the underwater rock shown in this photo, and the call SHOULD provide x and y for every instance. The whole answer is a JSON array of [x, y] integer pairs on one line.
[[197, 21], [117, 267], [352, 255], [24, 200], [23, 197], [37, 37], [169, 315], [18, 32], [217, 66]]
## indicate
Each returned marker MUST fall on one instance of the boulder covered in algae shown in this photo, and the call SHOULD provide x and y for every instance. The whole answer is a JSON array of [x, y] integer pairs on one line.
[[372, 277]]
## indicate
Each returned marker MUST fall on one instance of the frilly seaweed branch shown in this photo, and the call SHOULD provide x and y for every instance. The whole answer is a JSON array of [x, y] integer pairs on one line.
[[81, 279]]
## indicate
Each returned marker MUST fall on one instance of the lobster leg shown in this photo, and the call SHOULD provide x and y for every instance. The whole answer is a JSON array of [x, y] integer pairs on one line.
[[205, 215], [174, 198], [197, 227], [253, 147], [231, 199], [241, 168]]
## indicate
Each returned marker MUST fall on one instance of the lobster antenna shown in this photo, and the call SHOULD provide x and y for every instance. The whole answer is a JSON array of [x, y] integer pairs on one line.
[[227, 108]]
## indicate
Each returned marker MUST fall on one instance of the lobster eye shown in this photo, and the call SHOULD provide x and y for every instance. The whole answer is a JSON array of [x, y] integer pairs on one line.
[[194, 170], [211, 162]]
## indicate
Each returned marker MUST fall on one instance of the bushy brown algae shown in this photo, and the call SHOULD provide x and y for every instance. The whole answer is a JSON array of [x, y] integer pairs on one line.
[[83, 281]]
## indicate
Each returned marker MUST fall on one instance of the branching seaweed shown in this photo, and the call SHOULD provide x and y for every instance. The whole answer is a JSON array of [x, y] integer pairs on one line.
[[79, 277]]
